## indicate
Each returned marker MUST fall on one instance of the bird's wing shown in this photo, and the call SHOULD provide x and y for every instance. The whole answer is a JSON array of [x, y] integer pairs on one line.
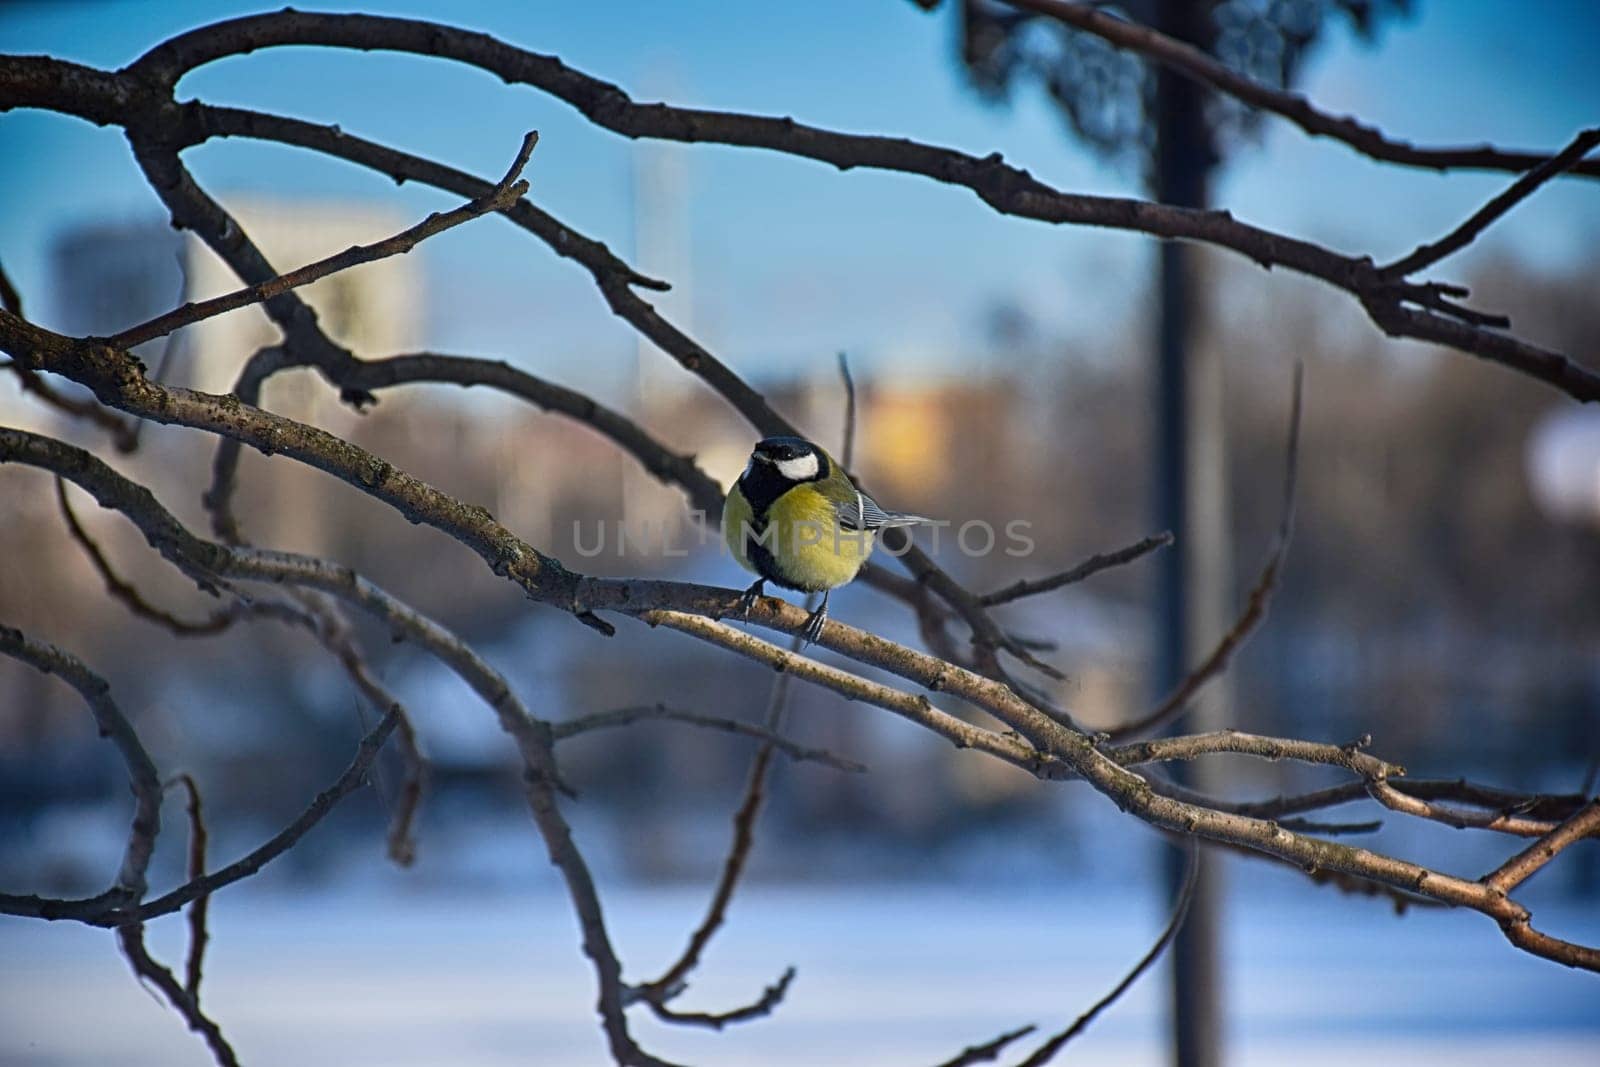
[[861, 512]]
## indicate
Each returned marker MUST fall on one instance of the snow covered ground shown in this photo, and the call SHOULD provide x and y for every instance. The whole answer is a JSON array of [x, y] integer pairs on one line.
[[888, 975]]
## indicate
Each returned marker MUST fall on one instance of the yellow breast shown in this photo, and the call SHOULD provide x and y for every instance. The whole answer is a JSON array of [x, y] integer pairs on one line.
[[801, 545]]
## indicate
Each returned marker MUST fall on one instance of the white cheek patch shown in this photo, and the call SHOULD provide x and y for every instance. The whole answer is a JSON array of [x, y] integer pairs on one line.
[[799, 469]]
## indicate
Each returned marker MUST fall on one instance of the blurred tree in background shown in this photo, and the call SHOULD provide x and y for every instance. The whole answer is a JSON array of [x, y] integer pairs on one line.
[[1176, 132]]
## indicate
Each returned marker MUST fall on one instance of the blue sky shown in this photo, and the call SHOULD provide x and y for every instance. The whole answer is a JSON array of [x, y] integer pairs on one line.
[[790, 258]]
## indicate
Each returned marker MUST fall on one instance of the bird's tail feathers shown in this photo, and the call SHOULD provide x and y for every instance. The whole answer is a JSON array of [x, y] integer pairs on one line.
[[901, 518]]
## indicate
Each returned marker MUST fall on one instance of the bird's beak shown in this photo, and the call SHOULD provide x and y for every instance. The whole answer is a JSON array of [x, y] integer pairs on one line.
[[761, 456]]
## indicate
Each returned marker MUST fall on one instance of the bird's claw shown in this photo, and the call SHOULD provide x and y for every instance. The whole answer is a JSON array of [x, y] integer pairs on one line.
[[748, 598], [811, 632]]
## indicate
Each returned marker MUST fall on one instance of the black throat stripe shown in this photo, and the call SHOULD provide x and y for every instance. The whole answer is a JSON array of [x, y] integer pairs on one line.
[[762, 485]]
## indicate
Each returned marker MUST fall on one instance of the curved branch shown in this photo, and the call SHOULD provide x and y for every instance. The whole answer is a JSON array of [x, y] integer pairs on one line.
[[1255, 609], [184, 1001], [602, 720], [1585, 822], [198, 934], [1202, 69], [1427, 255], [1093, 565], [667, 602], [1180, 911], [130, 884], [1191, 746], [128, 595], [505, 193], [675, 978], [989, 1050], [139, 98], [704, 494]]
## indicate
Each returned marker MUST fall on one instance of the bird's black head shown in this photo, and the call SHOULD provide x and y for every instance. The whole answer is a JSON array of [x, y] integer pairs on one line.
[[777, 465], [793, 459]]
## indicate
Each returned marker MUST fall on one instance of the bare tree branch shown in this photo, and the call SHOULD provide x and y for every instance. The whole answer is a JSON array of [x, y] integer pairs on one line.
[[333, 630], [127, 594], [123, 436], [105, 97], [352, 778], [1191, 746], [674, 979], [1074, 752], [507, 192], [847, 449], [10, 299], [131, 937], [198, 934], [129, 885], [1427, 255], [1180, 911], [601, 720], [1093, 565], [542, 781], [989, 1050], [1519, 868], [616, 281], [112, 909], [761, 1007], [329, 628], [1025, 727], [218, 496], [703, 492], [1516, 814], [1200, 68], [918, 709], [1409, 803], [1255, 610], [120, 431]]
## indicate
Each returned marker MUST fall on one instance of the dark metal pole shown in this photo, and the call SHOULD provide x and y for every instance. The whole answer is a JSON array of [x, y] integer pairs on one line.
[[1190, 500]]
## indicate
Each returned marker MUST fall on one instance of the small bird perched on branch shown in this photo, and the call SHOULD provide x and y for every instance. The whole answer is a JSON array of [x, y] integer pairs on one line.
[[795, 518]]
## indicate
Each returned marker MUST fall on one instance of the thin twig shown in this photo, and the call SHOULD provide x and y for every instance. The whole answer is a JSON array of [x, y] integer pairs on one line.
[[1540, 813], [169, 351], [333, 630], [1331, 829], [671, 982], [542, 782], [130, 882], [989, 1050], [673, 979], [198, 935], [847, 452], [1255, 610], [353, 777], [1352, 757], [601, 720], [509, 190], [1426, 255], [1394, 798], [1525, 864], [10, 299], [131, 937], [1180, 911], [762, 1006], [1093, 565], [125, 592], [1201, 68]]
